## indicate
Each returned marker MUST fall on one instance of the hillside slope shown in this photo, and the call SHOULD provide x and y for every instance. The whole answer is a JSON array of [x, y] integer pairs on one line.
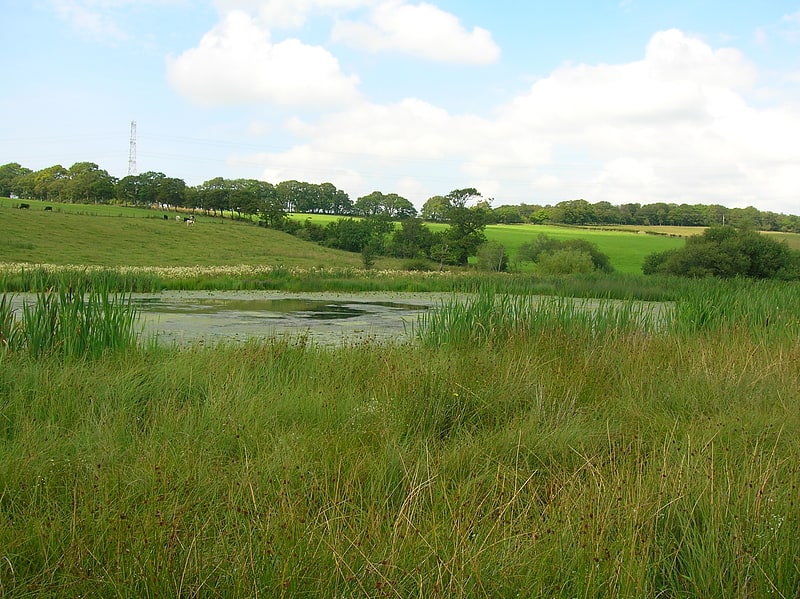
[[35, 236]]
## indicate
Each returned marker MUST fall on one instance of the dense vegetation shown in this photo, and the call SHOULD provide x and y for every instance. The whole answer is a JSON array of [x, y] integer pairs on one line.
[[727, 252], [554, 449]]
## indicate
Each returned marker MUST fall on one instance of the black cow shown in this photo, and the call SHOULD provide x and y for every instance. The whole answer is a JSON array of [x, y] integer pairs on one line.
[[24, 206]]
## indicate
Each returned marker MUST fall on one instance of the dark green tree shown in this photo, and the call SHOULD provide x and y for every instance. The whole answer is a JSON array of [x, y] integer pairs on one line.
[[412, 240], [544, 246], [466, 231], [87, 182], [727, 252], [435, 208], [10, 176]]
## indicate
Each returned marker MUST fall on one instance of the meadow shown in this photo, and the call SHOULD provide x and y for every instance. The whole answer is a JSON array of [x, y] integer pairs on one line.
[[513, 449], [119, 236]]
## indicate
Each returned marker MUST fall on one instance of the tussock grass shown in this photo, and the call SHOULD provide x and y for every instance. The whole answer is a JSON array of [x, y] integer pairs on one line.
[[569, 456]]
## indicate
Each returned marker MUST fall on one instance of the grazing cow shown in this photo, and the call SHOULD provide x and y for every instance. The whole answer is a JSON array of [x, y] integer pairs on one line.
[[166, 217], [24, 206], [178, 217], [48, 208], [189, 221]]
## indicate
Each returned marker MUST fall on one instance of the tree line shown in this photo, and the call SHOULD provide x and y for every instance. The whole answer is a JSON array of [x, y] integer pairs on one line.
[[86, 182]]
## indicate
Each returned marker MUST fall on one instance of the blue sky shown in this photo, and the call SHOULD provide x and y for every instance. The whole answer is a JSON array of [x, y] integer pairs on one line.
[[692, 101]]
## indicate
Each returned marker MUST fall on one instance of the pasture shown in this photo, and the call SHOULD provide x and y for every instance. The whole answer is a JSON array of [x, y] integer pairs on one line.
[[117, 236]]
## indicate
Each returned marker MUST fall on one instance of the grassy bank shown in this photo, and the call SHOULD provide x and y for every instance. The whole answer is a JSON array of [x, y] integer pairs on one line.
[[550, 457], [39, 278]]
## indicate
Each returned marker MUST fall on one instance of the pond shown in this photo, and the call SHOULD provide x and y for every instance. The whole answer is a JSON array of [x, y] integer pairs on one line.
[[324, 318], [187, 317]]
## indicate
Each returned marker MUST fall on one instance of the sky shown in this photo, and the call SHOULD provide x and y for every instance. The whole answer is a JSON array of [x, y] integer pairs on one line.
[[686, 101]]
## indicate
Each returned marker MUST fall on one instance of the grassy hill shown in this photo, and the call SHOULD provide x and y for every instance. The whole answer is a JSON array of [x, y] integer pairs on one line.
[[115, 235]]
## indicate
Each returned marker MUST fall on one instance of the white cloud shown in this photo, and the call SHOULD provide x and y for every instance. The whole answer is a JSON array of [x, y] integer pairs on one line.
[[792, 19], [286, 13], [236, 63], [675, 126], [672, 56], [89, 19], [418, 29]]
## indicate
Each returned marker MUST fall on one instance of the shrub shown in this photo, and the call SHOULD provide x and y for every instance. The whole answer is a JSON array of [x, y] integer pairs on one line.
[[565, 261], [492, 256], [726, 252], [543, 245]]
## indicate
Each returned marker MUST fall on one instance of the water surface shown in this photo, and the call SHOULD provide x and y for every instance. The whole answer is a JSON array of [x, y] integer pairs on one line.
[[328, 318]]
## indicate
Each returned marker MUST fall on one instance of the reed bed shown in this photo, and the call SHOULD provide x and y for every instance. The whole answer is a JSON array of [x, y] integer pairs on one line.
[[41, 277], [494, 317], [558, 452], [70, 324]]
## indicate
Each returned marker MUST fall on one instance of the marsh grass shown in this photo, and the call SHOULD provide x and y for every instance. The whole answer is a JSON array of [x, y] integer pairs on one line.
[[494, 317], [762, 308], [70, 324], [521, 449]]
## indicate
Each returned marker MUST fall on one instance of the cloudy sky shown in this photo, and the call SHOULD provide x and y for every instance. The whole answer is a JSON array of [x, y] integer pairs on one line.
[[693, 101]]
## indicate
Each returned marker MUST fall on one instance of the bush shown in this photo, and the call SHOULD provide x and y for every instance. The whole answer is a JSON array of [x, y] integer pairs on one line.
[[492, 256], [726, 252], [544, 245], [566, 262]]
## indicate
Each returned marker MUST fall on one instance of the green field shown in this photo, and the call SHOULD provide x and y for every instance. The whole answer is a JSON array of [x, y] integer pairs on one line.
[[114, 236]]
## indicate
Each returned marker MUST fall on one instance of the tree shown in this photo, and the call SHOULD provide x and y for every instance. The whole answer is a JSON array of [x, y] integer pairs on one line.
[[492, 256], [171, 191], [467, 225], [507, 215], [398, 207], [88, 182], [10, 175], [435, 208], [151, 188], [354, 235], [369, 205], [530, 251], [565, 261], [573, 212], [46, 184], [327, 199], [215, 195], [413, 239], [333, 200], [127, 189]]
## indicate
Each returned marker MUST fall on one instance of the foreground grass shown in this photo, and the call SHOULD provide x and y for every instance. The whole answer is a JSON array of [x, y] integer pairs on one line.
[[558, 459]]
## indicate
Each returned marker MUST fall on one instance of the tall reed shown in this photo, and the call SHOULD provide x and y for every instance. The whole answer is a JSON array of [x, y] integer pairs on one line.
[[70, 324], [41, 278], [490, 316], [757, 307]]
